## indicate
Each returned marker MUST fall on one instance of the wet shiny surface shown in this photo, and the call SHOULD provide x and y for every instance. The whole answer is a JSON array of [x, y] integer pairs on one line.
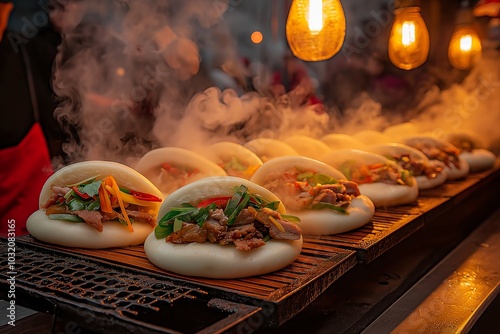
[[455, 293]]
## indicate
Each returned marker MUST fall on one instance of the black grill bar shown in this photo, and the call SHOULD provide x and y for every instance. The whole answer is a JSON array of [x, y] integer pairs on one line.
[[113, 299]]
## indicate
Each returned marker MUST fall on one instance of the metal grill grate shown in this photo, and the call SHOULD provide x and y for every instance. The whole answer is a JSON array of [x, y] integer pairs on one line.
[[128, 296]]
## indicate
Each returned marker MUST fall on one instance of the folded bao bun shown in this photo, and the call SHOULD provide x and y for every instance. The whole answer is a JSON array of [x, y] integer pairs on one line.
[[371, 137], [81, 234], [313, 221], [213, 260], [307, 146], [472, 150], [362, 167], [427, 174], [398, 132], [170, 168], [268, 148], [479, 159], [235, 159], [339, 141], [436, 149]]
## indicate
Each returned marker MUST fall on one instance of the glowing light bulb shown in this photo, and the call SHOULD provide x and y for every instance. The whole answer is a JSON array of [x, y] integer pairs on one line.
[[315, 16], [120, 71], [465, 48], [408, 33], [409, 39], [315, 29], [256, 37], [466, 43]]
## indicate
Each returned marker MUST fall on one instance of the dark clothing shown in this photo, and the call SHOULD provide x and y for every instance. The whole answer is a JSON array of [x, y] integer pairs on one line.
[[28, 129], [16, 109]]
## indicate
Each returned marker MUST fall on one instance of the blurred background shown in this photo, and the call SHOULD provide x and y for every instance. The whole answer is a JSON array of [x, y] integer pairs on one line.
[[125, 76]]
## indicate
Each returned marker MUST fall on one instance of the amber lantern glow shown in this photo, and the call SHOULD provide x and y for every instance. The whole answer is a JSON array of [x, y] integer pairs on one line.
[[409, 40], [315, 29], [465, 47]]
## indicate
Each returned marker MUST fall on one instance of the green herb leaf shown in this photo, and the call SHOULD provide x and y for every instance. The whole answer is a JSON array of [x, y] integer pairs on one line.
[[87, 180], [124, 222], [76, 204], [321, 179], [125, 190], [235, 165], [202, 214], [69, 194], [94, 205], [163, 231], [257, 202], [305, 175], [235, 200], [66, 217], [243, 204], [177, 225], [291, 218], [322, 205], [347, 167], [182, 213], [273, 205], [91, 189], [267, 238]]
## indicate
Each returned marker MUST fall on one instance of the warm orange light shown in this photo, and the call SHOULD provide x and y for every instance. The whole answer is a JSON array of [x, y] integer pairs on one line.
[[256, 37], [465, 48], [120, 71], [315, 29], [409, 40]]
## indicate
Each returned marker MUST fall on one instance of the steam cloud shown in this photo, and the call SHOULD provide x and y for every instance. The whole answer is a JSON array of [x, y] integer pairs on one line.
[[129, 78]]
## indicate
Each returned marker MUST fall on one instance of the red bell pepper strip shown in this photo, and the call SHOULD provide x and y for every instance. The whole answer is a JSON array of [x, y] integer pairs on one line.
[[144, 196], [79, 193], [220, 202]]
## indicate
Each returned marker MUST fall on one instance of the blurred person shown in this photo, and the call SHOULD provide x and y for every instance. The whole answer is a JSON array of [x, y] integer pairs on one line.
[[294, 80], [29, 134]]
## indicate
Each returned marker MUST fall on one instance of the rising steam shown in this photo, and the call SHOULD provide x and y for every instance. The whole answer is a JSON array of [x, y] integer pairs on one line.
[[130, 77]]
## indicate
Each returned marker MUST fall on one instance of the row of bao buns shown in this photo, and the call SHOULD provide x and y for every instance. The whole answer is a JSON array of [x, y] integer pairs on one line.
[[231, 210]]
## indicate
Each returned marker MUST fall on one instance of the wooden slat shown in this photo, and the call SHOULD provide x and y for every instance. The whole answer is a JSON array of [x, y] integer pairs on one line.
[[258, 287], [322, 260]]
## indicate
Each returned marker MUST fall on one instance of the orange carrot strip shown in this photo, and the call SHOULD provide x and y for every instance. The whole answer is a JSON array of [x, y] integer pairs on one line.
[[104, 198], [120, 202]]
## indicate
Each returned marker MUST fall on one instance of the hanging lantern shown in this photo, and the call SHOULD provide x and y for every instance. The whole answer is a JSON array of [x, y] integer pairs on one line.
[[409, 39], [465, 47], [315, 29]]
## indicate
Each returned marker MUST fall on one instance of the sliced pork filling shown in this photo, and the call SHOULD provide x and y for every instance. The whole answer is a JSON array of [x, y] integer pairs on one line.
[[244, 220], [447, 154], [62, 202], [417, 168], [248, 231], [298, 192], [389, 173]]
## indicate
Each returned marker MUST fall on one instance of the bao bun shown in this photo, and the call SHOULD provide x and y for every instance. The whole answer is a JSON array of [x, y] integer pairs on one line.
[[150, 166], [340, 141], [393, 149], [371, 137], [213, 260], [479, 159], [222, 152], [268, 148], [325, 221], [83, 235], [472, 150], [381, 194], [453, 171], [307, 146]]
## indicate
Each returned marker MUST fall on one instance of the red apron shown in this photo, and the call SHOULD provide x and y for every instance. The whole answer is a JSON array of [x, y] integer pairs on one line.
[[24, 168]]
